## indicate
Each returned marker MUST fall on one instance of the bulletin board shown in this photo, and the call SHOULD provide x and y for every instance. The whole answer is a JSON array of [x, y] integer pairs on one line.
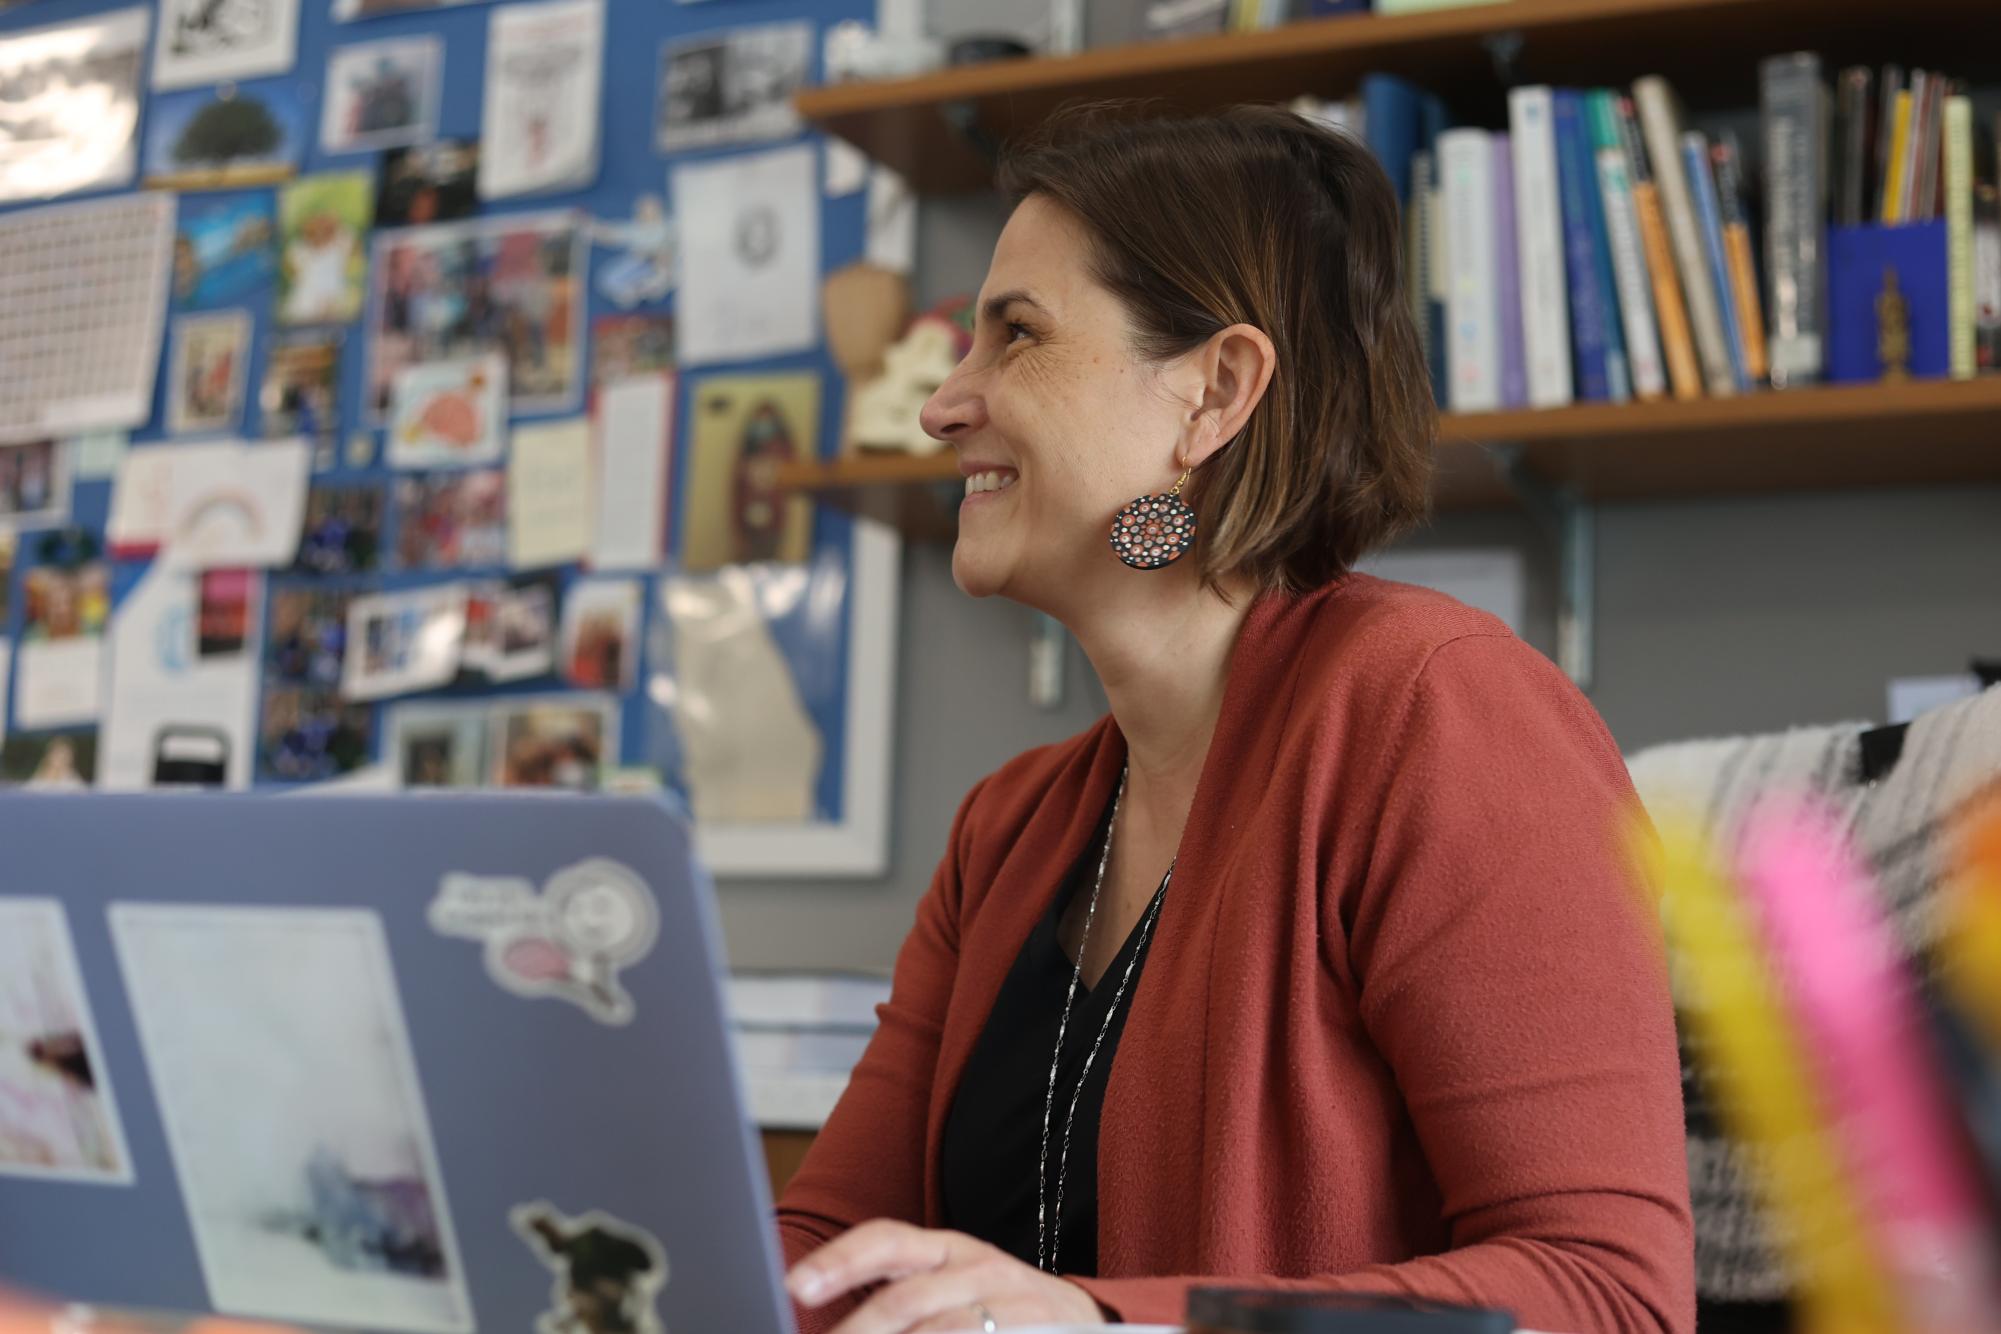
[[745, 663]]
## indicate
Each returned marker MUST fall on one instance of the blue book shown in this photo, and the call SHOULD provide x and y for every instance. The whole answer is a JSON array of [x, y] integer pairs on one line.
[[1318, 9], [1709, 218], [1398, 118], [1592, 315]]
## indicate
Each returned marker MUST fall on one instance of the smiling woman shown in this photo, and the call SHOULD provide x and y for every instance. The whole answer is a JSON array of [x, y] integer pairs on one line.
[[1317, 962]]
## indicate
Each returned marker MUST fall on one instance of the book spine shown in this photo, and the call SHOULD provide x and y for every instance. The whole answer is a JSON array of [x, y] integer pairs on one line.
[[1886, 141], [1417, 251], [1959, 232], [1795, 206], [1472, 315], [1514, 362], [1590, 346], [1677, 343], [1618, 365], [1702, 185], [1437, 277], [1851, 174], [1986, 276], [1629, 265], [1737, 253], [1539, 236], [1925, 173], [1660, 124], [1896, 186]]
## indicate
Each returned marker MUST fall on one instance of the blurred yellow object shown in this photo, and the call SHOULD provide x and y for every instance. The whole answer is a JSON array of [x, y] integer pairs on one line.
[[1970, 951], [1763, 1083]]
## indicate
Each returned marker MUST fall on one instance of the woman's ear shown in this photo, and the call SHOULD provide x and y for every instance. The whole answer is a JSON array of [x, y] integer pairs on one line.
[[1235, 366]]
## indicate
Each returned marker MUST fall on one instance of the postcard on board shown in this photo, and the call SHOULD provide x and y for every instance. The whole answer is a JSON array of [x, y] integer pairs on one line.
[[449, 414], [382, 94], [404, 641], [539, 128]]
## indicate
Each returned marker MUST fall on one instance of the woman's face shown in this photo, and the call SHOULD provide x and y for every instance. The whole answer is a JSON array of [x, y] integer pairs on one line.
[[1054, 405]]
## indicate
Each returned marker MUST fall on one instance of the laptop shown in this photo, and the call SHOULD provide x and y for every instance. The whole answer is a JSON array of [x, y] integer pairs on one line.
[[431, 1063]]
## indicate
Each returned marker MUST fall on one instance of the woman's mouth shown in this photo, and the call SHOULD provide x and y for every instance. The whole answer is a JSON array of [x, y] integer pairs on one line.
[[988, 482]]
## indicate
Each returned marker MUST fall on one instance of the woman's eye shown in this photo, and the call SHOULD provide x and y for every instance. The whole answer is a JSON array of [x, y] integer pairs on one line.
[[1016, 331]]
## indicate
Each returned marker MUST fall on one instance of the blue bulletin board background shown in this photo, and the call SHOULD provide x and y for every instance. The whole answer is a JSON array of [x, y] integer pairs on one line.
[[816, 646]]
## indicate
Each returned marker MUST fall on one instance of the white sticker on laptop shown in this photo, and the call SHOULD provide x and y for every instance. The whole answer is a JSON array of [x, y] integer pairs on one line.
[[608, 1272], [570, 940]]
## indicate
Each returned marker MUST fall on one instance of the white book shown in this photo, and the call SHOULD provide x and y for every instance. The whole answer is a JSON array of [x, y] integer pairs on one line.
[[1629, 271], [1472, 290], [1539, 244], [1660, 126]]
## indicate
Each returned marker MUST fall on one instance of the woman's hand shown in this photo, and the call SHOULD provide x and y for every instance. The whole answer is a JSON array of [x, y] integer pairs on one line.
[[935, 1281]]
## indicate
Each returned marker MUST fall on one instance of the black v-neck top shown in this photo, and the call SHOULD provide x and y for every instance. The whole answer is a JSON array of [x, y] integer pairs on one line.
[[992, 1144]]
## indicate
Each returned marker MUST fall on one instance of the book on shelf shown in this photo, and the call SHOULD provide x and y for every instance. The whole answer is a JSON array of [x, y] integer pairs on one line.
[[1677, 342], [1790, 102], [1514, 365], [1708, 216], [1957, 119], [1629, 262], [1987, 274], [1597, 346], [1733, 211], [1539, 247], [1473, 308], [1661, 126]]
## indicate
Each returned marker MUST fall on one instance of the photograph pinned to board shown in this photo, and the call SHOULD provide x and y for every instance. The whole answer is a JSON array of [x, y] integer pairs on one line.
[[551, 494], [221, 504], [308, 636], [59, 657], [539, 126], [559, 741], [202, 41], [301, 393], [745, 425], [35, 485], [510, 628], [323, 266], [457, 289], [401, 642], [600, 1263], [67, 366], [750, 256], [449, 414], [183, 681], [63, 761], [453, 520], [433, 182], [348, 10], [224, 250], [227, 138], [601, 625], [623, 346], [733, 86], [206, 370], [436, 745], [642, 267], [310, 735], [343, 529], [58, 1112], [69, 105], [382, 94], [280, 1058]]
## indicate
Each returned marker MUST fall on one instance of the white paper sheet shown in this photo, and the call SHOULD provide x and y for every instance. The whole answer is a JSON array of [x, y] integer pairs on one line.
[[202, 42], [70, 119], [539, 131], [550, 494], [95, 455], [281, 1064], [1910, 696], [160, 678], [751, 750], [635, 439], [890, 241], [404, 641], [750, 256], [846, 170], [243, 506], [59, 682]]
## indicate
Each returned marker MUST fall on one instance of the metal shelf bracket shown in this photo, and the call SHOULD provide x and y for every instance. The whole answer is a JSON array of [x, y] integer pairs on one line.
[[1572, 522]]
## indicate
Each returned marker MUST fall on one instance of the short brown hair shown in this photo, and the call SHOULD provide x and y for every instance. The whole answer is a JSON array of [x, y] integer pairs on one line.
[[1261, 217]]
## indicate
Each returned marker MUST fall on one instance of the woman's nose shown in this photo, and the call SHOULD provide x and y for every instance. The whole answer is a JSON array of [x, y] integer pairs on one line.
[[955, 409]]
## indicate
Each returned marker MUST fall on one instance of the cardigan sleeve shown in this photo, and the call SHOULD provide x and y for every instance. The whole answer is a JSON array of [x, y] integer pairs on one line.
[[1509, 976], [868, 1160]]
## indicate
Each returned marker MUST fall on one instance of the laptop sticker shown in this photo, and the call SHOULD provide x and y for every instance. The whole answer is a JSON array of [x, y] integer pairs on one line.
[[569, 941], [608, 1272]]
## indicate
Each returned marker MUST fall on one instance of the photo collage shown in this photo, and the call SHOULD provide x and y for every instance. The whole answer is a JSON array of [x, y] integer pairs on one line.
[[425, 270]]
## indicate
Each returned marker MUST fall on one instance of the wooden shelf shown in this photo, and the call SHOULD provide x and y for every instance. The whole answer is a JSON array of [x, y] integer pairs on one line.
[[909, 124], [1921, 433]]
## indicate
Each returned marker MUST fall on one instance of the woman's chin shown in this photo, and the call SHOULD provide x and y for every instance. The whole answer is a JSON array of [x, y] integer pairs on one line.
[[979, 574]]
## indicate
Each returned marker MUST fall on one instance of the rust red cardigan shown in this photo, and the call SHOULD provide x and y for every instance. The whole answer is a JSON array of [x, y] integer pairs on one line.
[[1404, 1027]]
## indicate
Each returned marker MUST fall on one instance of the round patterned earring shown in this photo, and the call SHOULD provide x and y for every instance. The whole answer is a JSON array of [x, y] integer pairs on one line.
[[1154, 531]]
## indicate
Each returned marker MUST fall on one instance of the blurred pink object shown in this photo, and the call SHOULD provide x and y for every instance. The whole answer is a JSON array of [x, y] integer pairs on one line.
[[534, 959], [1858, 1013]]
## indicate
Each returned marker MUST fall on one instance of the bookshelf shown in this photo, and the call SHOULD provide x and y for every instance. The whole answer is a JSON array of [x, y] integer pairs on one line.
[[1919, 433], [918, 125]]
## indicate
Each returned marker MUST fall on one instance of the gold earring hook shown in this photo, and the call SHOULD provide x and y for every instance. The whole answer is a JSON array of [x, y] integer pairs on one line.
[[1186, 474]]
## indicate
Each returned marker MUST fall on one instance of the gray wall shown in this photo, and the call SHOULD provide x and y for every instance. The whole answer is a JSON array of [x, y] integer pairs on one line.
[[1713, 617]]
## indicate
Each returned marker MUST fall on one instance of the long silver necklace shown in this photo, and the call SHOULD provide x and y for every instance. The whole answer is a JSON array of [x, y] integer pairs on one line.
[[1048, 1236]]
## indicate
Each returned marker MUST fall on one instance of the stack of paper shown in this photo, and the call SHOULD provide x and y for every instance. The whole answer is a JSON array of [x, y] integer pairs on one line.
[[798, 1036]]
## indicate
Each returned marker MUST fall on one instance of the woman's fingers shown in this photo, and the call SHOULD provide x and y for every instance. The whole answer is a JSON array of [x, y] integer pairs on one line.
[[871, 1253], [917, 1303]]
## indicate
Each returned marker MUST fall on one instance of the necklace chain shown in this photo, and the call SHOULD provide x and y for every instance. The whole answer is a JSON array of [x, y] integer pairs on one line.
[[1048, 1234]]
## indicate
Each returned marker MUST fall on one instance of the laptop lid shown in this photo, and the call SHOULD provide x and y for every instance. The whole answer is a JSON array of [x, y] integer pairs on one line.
[[423, 1063]]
